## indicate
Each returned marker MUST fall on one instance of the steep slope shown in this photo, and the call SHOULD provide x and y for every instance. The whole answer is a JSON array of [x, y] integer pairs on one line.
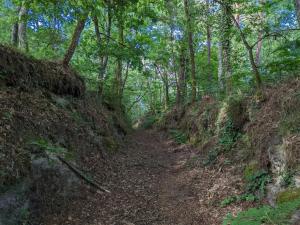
[[260, 140], [50, 128]]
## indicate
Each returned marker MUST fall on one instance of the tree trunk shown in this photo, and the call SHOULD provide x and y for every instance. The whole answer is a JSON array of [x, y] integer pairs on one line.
[[75, 40], [220, 67], [167, 96], [260, 41], [191, 48], [14, 34], [255, 70], [237, 16], [226, 26], [209, 38], [119, 69], [22, 28], [103, 58], [297, 7], [258, 48], [181, 83]]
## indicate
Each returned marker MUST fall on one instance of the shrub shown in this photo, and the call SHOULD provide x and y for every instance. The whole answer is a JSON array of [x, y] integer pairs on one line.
[[256, 183]]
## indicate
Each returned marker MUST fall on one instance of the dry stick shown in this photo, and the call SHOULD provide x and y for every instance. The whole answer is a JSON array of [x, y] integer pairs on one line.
[[79, 174]]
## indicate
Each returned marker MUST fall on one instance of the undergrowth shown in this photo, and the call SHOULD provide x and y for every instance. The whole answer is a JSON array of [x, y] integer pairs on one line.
[[149, 121], [265, 215], [228, 136], [255, 189], [178, 136], [51, 148]]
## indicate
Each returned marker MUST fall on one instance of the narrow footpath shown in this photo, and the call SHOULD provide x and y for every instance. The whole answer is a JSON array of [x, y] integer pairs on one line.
[[157, 182]]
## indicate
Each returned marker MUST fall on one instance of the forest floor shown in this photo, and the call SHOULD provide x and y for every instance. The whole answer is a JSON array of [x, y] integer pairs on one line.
[[155, 181]]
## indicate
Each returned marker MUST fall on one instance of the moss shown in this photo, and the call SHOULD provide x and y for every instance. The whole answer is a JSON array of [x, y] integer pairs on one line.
[[288, 195], [251, 169]]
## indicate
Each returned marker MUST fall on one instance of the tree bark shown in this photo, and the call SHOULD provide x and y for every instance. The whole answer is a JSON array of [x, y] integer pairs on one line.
[[103, 58], [220, 66], [260, 41], [165, 79], [22, 28], [167, 96], [192, 51], [119, 69], [14, 34], [75, 40], [258, 48], [181, 83], [226, 25], [209, 38]]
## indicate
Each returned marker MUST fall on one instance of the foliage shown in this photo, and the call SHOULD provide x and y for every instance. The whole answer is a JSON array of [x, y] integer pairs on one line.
[[256, 184], [286, 60], [255, 187], [238, 198], [265, 215], [48, 146], [212, 156], [287, 179], [228, 136], [149, 121], [179, 136], [155, 45]]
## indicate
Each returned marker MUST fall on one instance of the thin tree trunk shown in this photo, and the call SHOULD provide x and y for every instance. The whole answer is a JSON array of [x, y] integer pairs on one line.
[[181, 83], [226, 45], [119, 69], [237, 16], [258, 48], [297, 7], [209, 38], [165, 79], [166, 83], [220, 66], [22, 28], [260, 41], [75, 40], [192, 51], [103, 59], [14, 34], [125, 79], [250, 53], [15, 29]]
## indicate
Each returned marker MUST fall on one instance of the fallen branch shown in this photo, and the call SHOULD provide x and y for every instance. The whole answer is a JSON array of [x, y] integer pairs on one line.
[[81, 175]]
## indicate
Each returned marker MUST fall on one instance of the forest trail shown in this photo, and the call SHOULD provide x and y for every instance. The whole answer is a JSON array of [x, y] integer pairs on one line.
[[154, 183]]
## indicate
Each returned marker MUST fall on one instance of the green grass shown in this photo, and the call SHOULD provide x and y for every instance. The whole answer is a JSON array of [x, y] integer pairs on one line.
[[280, 215]]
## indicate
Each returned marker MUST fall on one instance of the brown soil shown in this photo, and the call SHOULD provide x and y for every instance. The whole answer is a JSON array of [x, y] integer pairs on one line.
[[153, 182]]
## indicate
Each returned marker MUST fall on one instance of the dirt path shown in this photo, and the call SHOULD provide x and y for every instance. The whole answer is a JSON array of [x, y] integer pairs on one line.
[[153, 183]]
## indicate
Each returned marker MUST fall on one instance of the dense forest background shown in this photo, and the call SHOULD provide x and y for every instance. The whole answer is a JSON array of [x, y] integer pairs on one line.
[[148, 56], [137, 112]]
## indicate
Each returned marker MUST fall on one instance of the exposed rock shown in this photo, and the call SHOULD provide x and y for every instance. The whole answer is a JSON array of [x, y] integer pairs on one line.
[[14, 206], [53, 184]]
